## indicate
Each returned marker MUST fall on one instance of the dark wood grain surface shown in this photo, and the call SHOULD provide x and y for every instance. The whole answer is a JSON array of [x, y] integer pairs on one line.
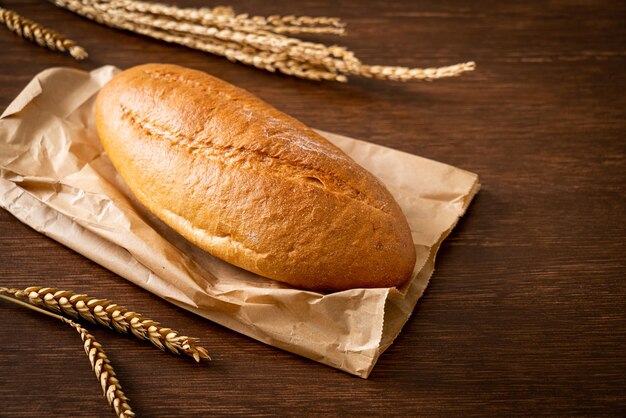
[[526, 312]]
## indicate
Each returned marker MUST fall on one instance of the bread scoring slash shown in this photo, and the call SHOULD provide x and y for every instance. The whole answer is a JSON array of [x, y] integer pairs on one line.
[[250, 184]]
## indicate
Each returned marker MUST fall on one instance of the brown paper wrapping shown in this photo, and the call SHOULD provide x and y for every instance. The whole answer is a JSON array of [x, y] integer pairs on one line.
[[56, 178]]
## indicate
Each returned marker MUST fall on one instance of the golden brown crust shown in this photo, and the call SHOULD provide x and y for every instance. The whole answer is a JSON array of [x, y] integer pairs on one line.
[[249, 184]]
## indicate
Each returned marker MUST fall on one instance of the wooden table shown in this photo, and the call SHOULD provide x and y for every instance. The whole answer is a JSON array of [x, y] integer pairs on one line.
[[526, 312]]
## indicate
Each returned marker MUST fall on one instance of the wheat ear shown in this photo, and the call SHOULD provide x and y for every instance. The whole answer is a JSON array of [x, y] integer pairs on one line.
[[39, 34], [110, 315], [100, 363]]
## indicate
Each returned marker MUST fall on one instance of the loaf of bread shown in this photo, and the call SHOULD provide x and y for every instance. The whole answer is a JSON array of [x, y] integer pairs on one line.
[[249, 184]]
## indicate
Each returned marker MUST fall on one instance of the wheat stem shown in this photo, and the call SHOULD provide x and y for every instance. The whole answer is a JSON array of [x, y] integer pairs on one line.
[[226, 17], [39, 34], [100, 363], [247, 55], [29, 306], [110, 315]]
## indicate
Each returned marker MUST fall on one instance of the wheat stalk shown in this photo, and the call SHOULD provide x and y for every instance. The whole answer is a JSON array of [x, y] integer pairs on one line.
[[100, 363], [247, 55], [257, 41], [39, 34], [110, 315], [226, 17]]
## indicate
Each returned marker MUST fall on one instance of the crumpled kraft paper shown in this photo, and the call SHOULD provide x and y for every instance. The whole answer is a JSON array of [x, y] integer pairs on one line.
[[55, 177]]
